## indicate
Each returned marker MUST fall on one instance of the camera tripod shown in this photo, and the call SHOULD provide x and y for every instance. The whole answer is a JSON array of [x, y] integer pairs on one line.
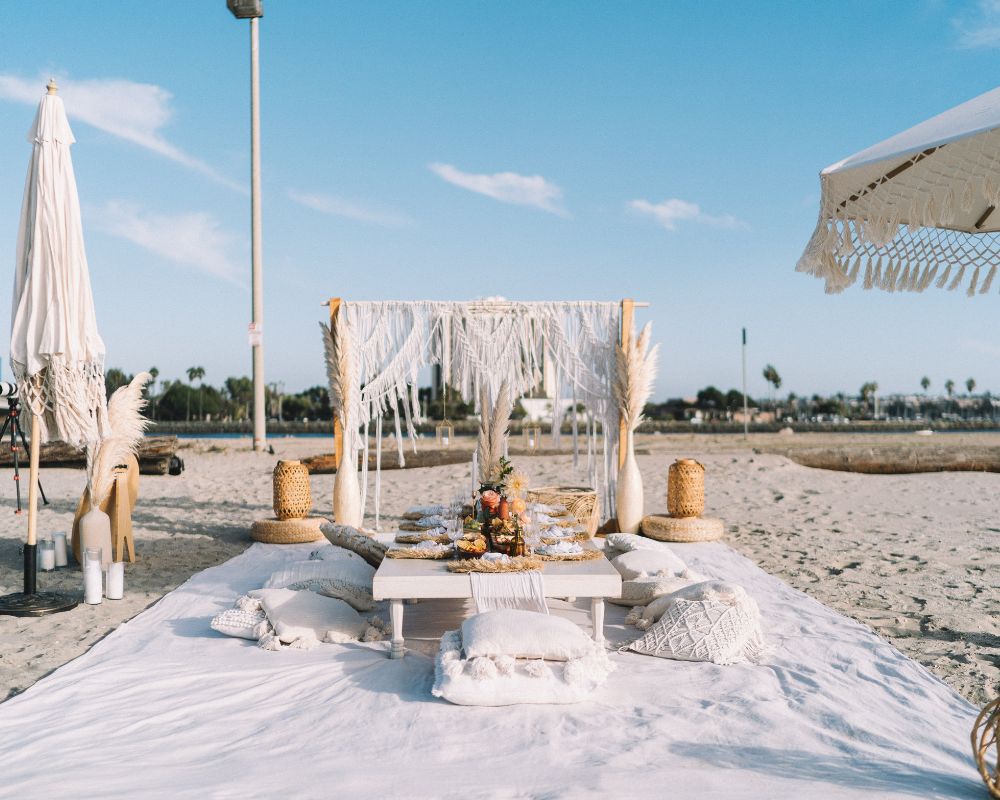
[[12, 422]]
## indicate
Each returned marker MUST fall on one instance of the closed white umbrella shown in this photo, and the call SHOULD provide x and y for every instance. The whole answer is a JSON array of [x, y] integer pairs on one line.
[[56, 352], [916, 210]]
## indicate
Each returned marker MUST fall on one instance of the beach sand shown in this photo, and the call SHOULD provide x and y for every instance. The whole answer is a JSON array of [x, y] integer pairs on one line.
[[914, 557]]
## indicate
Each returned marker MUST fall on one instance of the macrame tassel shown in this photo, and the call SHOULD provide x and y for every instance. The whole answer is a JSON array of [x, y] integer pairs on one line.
[[903, 280], [958, 279], [853, 275], [975, 281], [877, 273], [914, 217], [930, 218], [868, 273], [927, 277], [399, 438], [364, 470], [968, 196], [944, 277], [948, 207], [378, 469], [576, 439], [989, 280]]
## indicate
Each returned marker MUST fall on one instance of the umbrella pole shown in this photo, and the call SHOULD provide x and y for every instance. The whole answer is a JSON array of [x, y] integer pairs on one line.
[[31, 602], [30, 559]]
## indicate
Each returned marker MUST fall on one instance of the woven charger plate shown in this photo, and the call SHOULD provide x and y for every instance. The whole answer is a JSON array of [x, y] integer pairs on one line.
[[682, 529], [287, 531]]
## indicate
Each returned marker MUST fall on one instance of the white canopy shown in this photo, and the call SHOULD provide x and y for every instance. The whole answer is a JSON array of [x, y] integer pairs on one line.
[[56, 352], [916, 208]]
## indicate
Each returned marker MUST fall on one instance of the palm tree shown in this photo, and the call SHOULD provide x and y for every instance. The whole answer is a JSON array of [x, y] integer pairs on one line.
[[970, 384], [949, 387], [868, 392], [925, 382], [194, 374], [151, 388], [772, 377]]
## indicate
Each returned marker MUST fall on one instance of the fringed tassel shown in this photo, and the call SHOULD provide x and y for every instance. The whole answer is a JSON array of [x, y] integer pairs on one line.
[[989, 280], [575, 424], [968, 196], [364, 470], [868, 273], [944, 277], [975, 282], [399, 438], [378, 470], [958, 279], [927, 277]]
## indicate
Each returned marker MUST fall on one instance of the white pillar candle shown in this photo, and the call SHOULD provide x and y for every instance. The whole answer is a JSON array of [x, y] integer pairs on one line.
[[116, 580], [92, 577], [46, 555], [61, 556]]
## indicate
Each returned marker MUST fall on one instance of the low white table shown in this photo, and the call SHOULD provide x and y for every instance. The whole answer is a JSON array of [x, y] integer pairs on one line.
[[399, 579]]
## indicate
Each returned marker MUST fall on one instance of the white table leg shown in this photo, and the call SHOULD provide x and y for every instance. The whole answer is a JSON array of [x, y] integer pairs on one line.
[[597, 615], [397, 649]]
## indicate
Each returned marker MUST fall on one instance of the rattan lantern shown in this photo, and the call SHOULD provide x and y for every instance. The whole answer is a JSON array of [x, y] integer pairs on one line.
[[532, 437]]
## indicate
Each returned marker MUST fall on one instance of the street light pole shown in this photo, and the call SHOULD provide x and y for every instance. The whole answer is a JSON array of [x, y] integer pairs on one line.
[[253, 10], [745, 410]]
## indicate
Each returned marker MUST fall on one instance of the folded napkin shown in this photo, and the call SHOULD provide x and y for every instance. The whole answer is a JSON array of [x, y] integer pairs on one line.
[[560, 549], [519, 590]]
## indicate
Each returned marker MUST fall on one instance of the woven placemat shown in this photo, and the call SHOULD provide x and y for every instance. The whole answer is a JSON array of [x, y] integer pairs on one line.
[[519, 564], [682, 529], [287, 531], [586, 555]]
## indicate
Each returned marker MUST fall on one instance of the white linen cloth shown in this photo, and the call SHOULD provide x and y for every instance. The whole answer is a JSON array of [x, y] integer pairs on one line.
[[518, 590], [56, 353], [834, 712]]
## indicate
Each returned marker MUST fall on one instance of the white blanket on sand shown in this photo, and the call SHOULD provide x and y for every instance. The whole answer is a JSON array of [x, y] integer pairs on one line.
[[519, 590], [165, 707]]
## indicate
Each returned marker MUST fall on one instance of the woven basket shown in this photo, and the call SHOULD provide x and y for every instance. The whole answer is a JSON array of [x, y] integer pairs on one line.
[[292, 496], [686, 488], [580, 501], [681, 529], [287, 531], [984, 737]]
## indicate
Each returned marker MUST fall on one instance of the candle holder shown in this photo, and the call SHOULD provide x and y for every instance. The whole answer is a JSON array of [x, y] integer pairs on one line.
[[532, 437], [445, 433], [46, 555]]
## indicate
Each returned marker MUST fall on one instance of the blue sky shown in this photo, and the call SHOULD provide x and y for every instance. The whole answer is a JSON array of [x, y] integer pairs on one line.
[[663, 151]]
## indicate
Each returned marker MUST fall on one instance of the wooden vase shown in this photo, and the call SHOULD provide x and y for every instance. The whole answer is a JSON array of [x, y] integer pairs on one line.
[[292, 495]]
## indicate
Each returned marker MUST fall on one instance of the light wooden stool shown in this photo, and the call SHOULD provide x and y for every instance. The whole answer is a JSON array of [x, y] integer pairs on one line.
[[118, 506]]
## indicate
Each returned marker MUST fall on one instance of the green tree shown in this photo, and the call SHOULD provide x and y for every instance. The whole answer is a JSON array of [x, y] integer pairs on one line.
[[925, 382], [970, 384], [240, 392], [115, 378], [772, 377], [194, 374], [949, 387], [868, 391]]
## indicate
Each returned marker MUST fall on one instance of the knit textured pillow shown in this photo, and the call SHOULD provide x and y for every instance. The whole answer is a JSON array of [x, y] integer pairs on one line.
[[720, 630], [643, 591], [349, 580]]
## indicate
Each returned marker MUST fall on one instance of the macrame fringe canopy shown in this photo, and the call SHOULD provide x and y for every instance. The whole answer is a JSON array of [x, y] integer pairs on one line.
[[917, 210], [480, 344]]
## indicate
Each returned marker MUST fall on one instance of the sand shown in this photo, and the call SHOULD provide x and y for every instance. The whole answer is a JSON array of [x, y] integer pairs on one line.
[[911, 556]]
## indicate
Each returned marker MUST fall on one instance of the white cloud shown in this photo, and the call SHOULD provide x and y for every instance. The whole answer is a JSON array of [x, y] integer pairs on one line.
[[195, 240], [340, 207], [507, 187], [135, 112], [670, 212], [980, 29]]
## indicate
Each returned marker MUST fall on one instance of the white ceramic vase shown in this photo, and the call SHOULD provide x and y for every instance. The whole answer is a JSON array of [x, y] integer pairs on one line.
[[347, 492], [95, 531], [629, 497]]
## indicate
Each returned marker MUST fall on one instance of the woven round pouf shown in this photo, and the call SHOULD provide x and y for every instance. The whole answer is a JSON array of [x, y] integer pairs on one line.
[[686, 488], [984, 737], [681, 529], [580, 501], [292, 496], [287, 531]]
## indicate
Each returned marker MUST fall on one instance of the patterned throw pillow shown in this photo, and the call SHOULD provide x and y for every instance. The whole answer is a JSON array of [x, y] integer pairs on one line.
[[643, 591], [349, 580], [370, 549], [241, 623], [723, 628]]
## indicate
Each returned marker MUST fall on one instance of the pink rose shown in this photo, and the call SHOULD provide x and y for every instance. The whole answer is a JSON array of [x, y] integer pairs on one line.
[[490, 500]]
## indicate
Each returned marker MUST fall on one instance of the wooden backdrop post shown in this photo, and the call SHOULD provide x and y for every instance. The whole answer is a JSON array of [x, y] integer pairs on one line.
[[338, 433], [627, 315]]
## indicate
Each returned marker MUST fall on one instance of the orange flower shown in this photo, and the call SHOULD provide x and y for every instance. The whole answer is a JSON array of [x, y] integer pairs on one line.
[[518, 505], [490, 499]]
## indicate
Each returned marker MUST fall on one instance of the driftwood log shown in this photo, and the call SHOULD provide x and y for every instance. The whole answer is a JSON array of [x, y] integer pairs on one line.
[[154, 455], [325, 464], [896, 459]]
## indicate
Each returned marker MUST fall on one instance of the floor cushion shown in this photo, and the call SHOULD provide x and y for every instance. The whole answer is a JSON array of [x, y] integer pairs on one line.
[[524, 634]]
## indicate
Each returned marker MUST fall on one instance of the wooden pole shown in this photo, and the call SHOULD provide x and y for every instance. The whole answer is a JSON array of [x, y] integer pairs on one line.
[[33, 482], [625, 342], [338, 433]]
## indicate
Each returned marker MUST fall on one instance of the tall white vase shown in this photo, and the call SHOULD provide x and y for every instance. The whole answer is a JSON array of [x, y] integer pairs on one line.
[[95, 531], [347, 492], [629, 497]]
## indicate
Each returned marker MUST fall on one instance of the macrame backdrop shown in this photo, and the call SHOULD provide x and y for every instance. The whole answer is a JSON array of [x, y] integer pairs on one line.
[[483, 342], [917, 210]]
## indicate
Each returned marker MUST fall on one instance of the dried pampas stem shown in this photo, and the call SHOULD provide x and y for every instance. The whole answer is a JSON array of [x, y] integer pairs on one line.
[[494, 419], [483, 445], [127, 426], [337, 350], [634, 376]]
